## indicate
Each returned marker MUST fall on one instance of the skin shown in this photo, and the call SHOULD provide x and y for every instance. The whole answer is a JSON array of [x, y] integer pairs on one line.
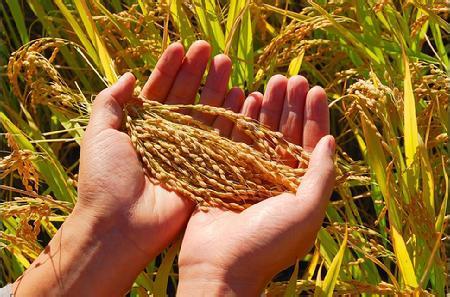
[[122, 221]]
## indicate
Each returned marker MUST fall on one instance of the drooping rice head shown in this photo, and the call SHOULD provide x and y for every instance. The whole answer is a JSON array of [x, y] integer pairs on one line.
[[195, 161]]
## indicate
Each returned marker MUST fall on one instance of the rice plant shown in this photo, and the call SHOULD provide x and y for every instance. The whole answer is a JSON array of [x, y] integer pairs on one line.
[[384, 65]]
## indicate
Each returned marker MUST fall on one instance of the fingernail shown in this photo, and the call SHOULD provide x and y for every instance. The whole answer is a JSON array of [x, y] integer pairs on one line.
[[124, 76], [316, 104], [121, 79], [331, 144]]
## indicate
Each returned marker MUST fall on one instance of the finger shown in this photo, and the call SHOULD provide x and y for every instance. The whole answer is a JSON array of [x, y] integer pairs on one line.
[[190, 74], [272, 104], [317, 185], [215, 88], [251, 109], [107, 109], [291, 122], [160, 81], [316, 123], [234, 102]]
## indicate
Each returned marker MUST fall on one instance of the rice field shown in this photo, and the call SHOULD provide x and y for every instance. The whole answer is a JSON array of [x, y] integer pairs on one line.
[[384, 66]]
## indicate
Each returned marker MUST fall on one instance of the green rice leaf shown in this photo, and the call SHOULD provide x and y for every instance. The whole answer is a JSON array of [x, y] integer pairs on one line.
[[239, 37], [207, 15], [19, 19], [182, 22]]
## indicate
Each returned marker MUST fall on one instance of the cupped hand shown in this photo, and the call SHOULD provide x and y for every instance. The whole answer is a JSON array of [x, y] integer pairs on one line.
[[226, 252]]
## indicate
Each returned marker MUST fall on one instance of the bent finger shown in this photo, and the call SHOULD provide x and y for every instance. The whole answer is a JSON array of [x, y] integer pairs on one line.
[[107, 109]]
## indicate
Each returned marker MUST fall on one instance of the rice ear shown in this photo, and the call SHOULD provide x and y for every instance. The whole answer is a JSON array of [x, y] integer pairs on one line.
[[192, 159]]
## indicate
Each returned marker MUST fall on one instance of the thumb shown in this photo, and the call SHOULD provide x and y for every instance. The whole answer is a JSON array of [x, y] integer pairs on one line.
[[107, 110], [317, 184]]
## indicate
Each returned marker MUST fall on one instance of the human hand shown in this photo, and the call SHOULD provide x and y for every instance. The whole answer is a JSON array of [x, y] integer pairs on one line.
[[225, 252], [122, 220]]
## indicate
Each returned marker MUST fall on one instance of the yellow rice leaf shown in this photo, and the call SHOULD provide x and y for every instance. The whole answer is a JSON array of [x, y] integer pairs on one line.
[[49, 227], [289, 13], [312, 265], [318, 289], [296, 64], [233, 14], [333, 272], [106, 62], [442, 212], [88, 26], [377, 161], [403, 259], [162, 276], [21, 258], [291, 286], [427, 177], [60, 219], [410, 119], [269, 28], [80, 33], [143, 7]]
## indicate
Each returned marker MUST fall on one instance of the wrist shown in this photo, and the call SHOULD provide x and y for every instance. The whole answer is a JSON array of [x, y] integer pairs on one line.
[[209, 287], [80, 260], [207, 281]]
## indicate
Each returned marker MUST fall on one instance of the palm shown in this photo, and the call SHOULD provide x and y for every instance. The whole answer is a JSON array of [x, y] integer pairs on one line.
[[114, 152], [236, 241], [110, 163]]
